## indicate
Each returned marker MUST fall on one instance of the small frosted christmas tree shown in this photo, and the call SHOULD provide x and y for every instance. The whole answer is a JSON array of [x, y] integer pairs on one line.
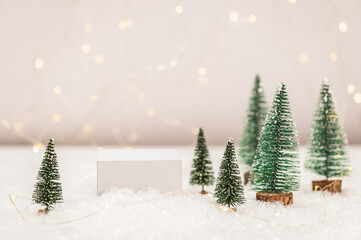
[[326, 150], [275, 170], [256, 114], [202, 173], [48, 190], [229, 190]]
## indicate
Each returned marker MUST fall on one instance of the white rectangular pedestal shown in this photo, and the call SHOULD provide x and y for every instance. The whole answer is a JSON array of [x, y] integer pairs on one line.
[[138, 169]]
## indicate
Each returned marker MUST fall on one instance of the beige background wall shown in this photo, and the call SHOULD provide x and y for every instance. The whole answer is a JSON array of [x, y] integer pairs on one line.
[[149, 72]]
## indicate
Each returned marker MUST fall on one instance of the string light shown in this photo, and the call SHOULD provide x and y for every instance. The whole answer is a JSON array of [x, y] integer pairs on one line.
[[351, 88], [87, 128], [357, 98], [88, 28], [173, 63], [252, 18], [233, 17], [37, 147], [179, 9], [303, 58], [150, 112], [93, 97], [56, 117], [292, 1], [85, 48], [86, 176], [141, 96], [57, 90], [333, 57], [127, 24], [342, 26], [195, 131], [202, 71], [39, 63], [18, 126], [132, 88], [98, 59]]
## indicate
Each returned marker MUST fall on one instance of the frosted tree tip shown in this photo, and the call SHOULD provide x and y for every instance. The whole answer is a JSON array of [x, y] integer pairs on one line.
[[230, 140], [51, 139], [325, 80]]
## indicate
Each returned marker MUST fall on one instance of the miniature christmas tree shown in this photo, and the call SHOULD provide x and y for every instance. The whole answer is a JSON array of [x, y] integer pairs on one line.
[[256, 114], [275, 170], [48, 190], [229, 190], [202, 173], [327, 154]]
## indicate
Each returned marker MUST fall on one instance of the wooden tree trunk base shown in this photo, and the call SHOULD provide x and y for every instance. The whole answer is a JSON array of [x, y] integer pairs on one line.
[[285, 198], [247, 177], [333, 186], [43, 211], [204, 192]]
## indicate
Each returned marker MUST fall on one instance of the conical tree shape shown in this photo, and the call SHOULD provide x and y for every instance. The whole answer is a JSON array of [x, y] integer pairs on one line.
[[326, 147], [48, 190], [256, 114], [202, 173], [229, 189], [276, 166]]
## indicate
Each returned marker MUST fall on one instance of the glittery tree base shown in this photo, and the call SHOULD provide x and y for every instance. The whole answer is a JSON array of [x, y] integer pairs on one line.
[[333, 186], [204, 192], [285, 198], [247, 176]]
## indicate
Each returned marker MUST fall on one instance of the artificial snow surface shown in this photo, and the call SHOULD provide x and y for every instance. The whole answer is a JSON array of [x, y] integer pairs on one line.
[[124, 214]]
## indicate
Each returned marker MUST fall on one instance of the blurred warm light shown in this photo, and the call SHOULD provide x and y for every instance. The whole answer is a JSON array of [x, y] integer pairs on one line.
[[18, 126], [98, 59], [292, 1], [333, 57], [88, 27], [178, 9], [87, 128], [351, 88], [150, 112], [86, 176], [203, 80], [195, 131], [173, 63], [56, 117], [121, 25], [303, 58], [160, 68], [141, 96], [57, 90], [93, 97], [342, 26], [252, 18], [202, 71], [39, 63], [37, 147], [233, 16], [357, 98], [132, 88], [85, 48]]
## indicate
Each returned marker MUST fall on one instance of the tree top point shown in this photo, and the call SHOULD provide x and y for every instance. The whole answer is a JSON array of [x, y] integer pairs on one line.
[[325, 81], [230, 140], [51, 139]]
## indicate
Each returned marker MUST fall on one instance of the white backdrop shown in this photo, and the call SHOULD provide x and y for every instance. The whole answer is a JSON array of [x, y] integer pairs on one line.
[[150, 72]]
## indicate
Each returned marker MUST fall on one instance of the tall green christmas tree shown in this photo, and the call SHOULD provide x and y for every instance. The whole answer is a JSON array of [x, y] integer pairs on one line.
[[229, 189], [202, 173], [256, 114], [276, 166], [327, 154], [48, 190]]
